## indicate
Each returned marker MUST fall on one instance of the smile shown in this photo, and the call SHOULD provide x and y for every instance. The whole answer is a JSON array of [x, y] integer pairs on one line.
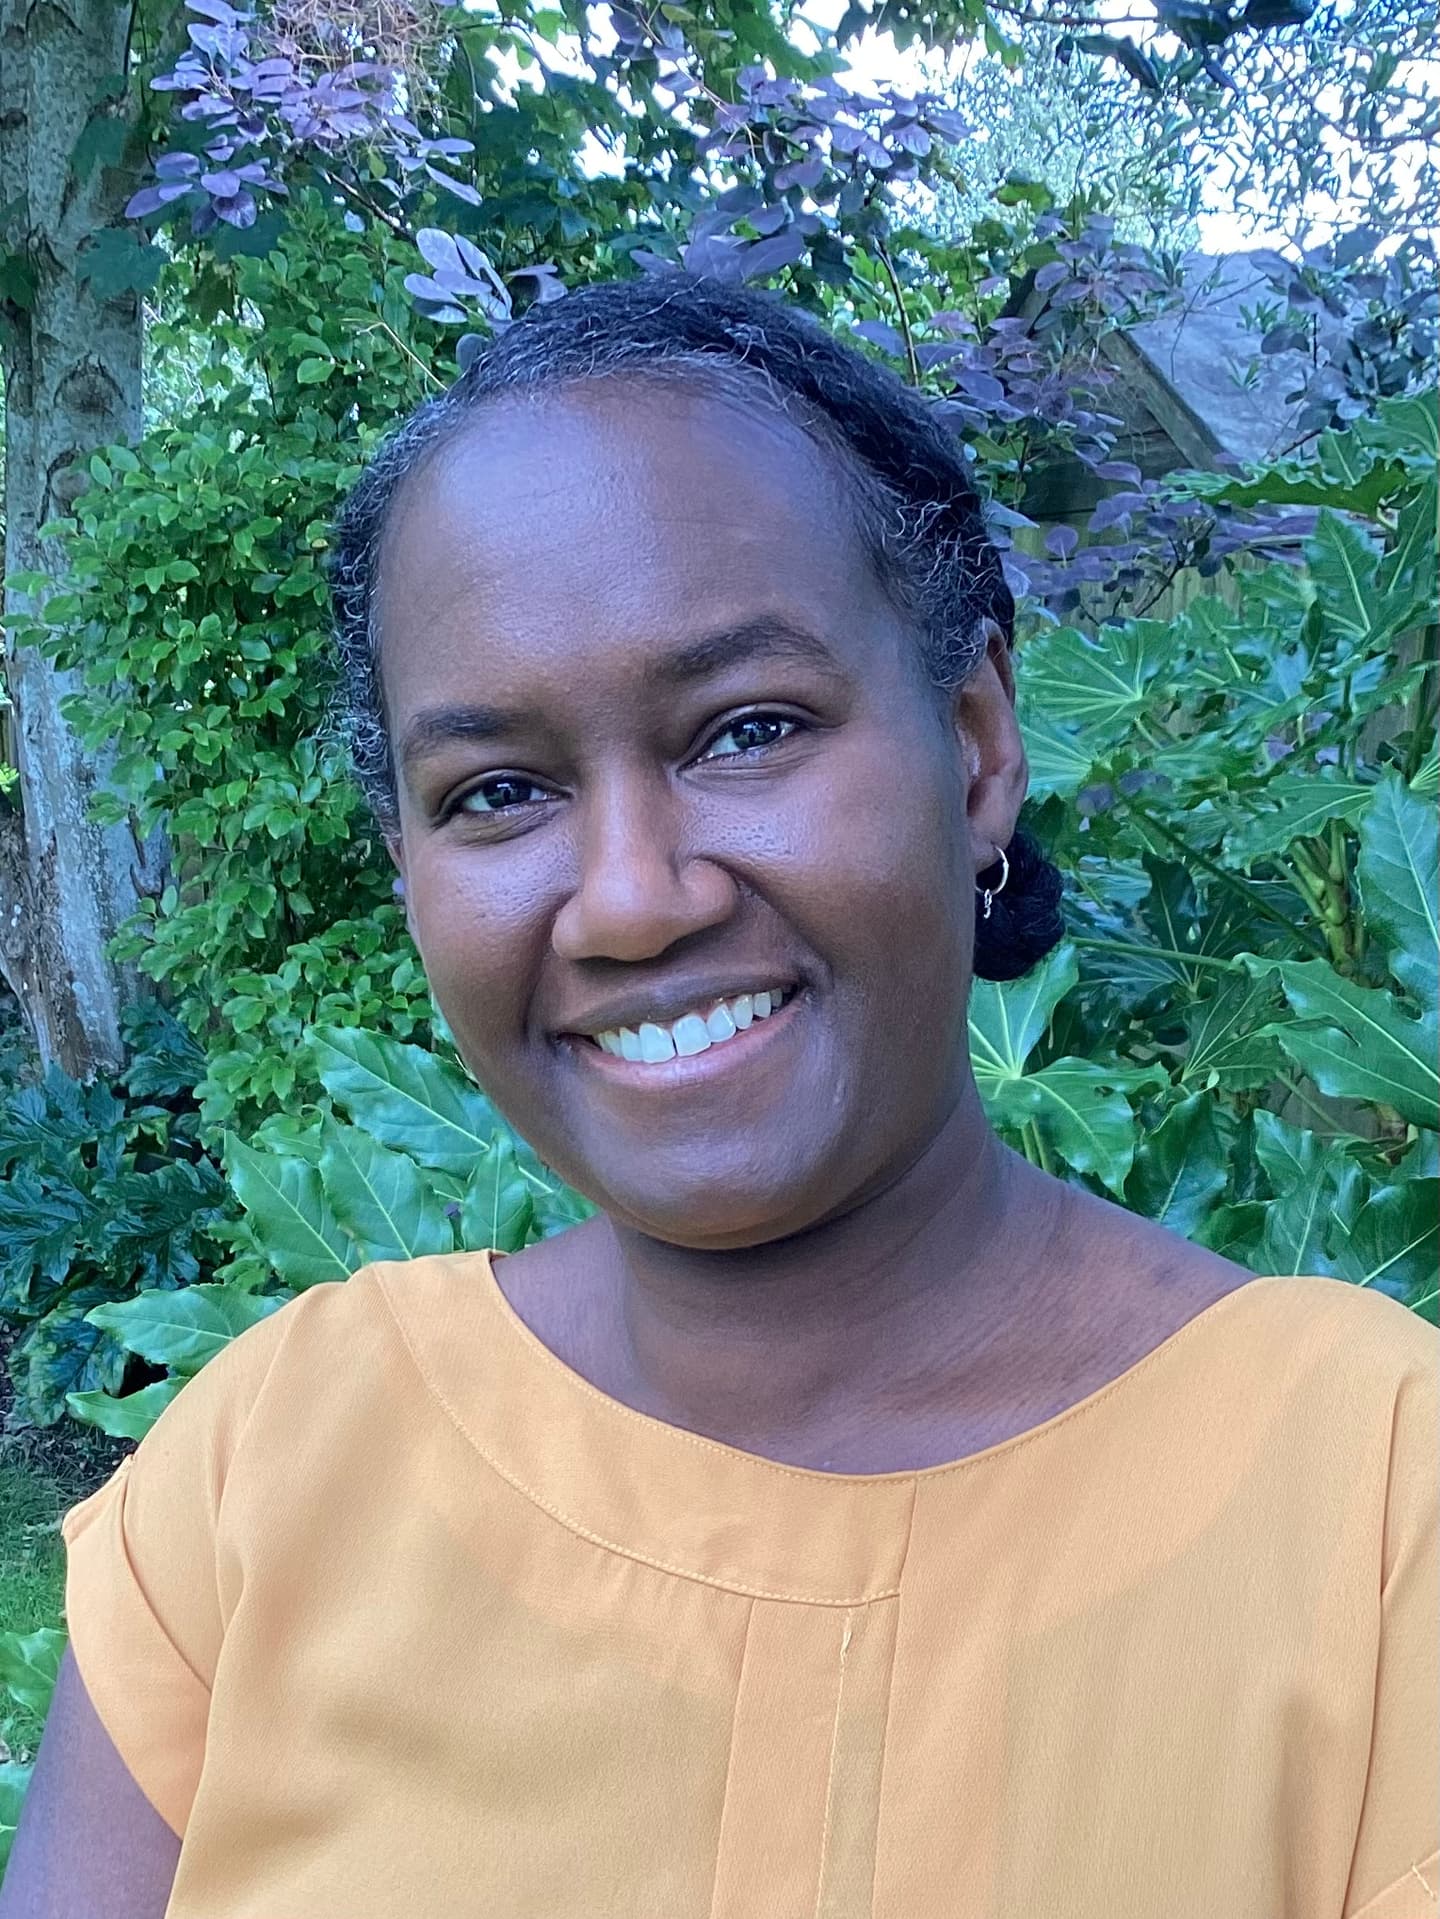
[[652, 1043]]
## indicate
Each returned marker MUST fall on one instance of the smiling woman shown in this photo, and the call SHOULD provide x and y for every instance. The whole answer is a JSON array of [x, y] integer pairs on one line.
[[849, 1519]]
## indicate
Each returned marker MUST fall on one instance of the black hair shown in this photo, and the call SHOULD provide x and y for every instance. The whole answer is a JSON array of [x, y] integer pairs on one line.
[[915, 503]]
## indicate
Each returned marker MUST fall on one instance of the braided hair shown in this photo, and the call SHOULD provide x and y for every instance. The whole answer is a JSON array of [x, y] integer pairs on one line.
[[915, 504]]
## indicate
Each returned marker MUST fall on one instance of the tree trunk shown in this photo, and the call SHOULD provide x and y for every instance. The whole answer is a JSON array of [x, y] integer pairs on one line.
[[72, 383]]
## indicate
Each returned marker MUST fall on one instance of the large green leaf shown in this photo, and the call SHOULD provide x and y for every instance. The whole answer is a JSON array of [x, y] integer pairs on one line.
[[14, 1783], [1315, 1186], [1291, 807], [292, 1218], [1399, 874], [405, 1097], [1355, 1042], [1095, 683], [1059, 760], [1393, 1242], [63, 1353], [498, 1209], [1343, 564], [183, 1329], [1080, 1108], [29, 1662], [383, 1199], [1181, 1168], [1231, 1038], [1008, 1018], [127, 1418], [1411, 556], [1234, 1231]]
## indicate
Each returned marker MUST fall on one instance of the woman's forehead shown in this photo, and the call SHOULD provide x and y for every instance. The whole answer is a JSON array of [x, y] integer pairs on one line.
[[621, 504]]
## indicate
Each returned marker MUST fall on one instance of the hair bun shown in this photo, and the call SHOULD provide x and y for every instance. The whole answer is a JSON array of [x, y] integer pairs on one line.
[[1025, 920]]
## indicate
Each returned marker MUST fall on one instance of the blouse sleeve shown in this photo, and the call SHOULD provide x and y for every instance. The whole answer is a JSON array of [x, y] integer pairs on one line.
[[1395, 1871], [142, 1596]]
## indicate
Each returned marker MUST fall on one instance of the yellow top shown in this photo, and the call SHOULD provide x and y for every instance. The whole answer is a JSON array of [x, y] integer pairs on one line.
[[394, 1614]]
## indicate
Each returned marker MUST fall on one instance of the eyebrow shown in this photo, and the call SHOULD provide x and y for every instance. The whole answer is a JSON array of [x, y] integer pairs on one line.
[[767, 637]]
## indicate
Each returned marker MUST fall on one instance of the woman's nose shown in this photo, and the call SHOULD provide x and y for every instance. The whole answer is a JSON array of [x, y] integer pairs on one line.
[[637, 890]]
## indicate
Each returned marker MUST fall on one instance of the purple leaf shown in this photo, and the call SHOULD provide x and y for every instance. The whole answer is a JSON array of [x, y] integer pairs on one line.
[[769, 256], [176, 166], [223, 185], [981, 387], [887, 338], [1119, 470], [460, 188], [769, 220], [216, 10], [1061, 541], [236, 210], [800, 173], [151, 199]]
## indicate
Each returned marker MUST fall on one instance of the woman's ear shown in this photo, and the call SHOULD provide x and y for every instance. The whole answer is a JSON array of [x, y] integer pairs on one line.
[[983, 714]]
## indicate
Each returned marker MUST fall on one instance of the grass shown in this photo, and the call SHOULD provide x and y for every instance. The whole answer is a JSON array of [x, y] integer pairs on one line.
[[32, 1578]]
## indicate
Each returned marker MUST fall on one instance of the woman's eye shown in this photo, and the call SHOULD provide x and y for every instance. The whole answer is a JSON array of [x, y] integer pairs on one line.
[[501, 792], [749, 735]]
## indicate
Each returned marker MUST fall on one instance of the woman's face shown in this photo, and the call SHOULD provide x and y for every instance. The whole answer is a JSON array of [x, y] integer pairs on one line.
[[664, 748]]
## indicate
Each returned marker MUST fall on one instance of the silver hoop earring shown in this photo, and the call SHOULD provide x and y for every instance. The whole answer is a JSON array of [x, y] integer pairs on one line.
[[989, 893]]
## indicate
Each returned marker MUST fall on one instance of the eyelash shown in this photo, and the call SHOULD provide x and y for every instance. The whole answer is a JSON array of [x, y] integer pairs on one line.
[[790, 726]]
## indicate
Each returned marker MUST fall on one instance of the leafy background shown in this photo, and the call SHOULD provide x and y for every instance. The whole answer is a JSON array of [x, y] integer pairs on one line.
[[1227, 679]]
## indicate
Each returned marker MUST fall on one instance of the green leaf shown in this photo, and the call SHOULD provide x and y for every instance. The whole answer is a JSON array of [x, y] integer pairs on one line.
[[1399, 874], [498, 1209], [1008, 1018], [405, 1097], [183, 1329], [63, 1353], [1291, 807], [1181, 1168], [14, 1783], [1098, 684], [1355, 1042], [1314, 1185], [294, 1223], [1232, 1042], [1411, 555], [29, 1662], [1234, 1231], [382, 1198], [1058, 762], [1080, 1109], [127, 1418], [1393, 1242], [314, 371], [116, 262], [1343, 565]]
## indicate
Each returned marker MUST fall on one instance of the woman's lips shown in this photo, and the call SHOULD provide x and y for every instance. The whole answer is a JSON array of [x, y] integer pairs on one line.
[[687, 1060]]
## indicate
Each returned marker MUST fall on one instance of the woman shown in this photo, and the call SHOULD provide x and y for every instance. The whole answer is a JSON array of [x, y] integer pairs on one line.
[[850, 1518]]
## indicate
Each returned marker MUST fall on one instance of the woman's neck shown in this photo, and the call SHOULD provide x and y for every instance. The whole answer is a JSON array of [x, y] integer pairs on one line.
[[904, 1331]]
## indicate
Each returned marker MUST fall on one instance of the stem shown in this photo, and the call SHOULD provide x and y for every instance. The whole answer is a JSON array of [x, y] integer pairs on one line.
[[1036, 1151], [1232, 880], [1156, 952], [385, 327], [884, 258]]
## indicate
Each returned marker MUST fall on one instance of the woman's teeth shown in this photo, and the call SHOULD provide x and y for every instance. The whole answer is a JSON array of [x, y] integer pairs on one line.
[[692, 1032]]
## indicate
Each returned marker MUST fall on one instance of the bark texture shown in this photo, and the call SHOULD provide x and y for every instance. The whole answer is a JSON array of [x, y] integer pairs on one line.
[[72, 383]]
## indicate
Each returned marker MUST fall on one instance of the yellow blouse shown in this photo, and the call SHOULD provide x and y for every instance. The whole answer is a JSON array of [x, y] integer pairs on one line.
[[393, 1613]]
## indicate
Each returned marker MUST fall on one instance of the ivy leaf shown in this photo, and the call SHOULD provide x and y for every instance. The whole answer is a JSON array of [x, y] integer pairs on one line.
[[1181, 1168], [183, 1329], [381, 1198], [1355, 1042], [29, 1663], [1399, 874], [498, 1208], [1393, 1243], [127, 1418], [293, 1221], [406, 1098]]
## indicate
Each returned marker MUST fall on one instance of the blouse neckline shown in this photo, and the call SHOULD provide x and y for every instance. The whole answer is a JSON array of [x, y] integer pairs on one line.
[[674, 1499]]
